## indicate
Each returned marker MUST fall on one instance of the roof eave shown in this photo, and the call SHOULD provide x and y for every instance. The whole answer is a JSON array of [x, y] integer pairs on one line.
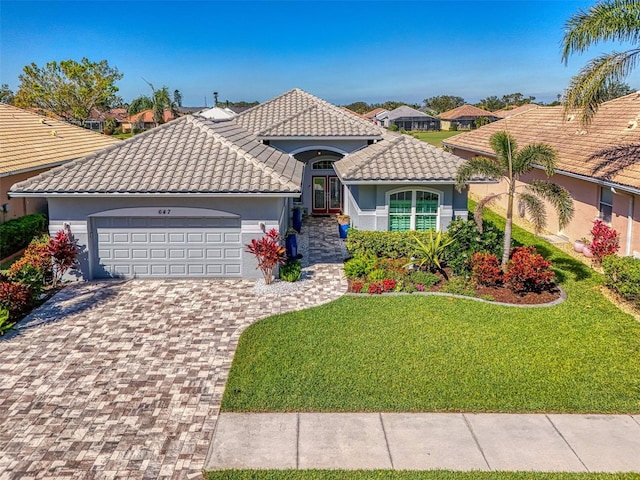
[[38, 167], [320, 137], [154, 195], [408, 181]]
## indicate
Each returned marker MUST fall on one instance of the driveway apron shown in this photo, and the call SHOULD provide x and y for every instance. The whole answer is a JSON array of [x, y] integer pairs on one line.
[[123, 379]]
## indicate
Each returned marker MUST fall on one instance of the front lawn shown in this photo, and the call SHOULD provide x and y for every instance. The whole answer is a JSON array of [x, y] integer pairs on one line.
[[426, 353], [434, 138]]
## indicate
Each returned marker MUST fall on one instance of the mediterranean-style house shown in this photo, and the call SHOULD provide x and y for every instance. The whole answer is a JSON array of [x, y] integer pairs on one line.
[[464, 117], [32, 144], [184, 199], [407, 118], [599, 163]]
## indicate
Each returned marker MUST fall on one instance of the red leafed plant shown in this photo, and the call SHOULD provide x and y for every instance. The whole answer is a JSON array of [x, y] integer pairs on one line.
[[268, 252], [528, 271], [389, 284], [605, 241], [357, 287], [376, 288], [485, 269], [15, 297], [64, 254]]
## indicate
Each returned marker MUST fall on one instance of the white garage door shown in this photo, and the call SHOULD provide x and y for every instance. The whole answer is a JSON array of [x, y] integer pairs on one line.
[[167, 247]]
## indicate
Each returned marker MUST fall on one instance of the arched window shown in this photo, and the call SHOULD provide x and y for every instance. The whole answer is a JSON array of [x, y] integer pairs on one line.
[[323, 165], [413, 210]]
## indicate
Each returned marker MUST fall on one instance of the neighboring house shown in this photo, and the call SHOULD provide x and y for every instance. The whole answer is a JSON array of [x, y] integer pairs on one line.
[[97, 119], [144, 120], [407, 118], [464, 117], [511, 111], [371, 115], [599, 164], [185, 198], [31, 144]]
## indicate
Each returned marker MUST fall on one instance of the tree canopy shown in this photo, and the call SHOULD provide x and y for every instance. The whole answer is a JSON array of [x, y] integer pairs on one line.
[[443, 103], [606, 21], [69, 88], [6, 94], [140, 104]]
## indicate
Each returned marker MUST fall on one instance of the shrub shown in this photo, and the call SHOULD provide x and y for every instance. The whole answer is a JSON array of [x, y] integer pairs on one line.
[[15, 297], [34, 268], [268, 252], [389, 285], [375, 288], [426, 279], [393, 245], [459, 286], [17, 233], [357, 287], [64, 254], [5, 323], [377, 275], [291, 271], [359, 266], [605, 241], [528, 271], [622, 275], [467, 240], [485, 269]]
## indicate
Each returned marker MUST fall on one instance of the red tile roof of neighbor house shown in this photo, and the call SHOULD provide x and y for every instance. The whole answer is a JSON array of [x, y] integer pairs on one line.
[[146, 116], [29, 141], [373, 113], [607, 150], [465, 111]]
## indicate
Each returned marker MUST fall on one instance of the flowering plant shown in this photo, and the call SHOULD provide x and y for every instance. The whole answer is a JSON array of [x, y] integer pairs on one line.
[[605, 240], [268, 252]]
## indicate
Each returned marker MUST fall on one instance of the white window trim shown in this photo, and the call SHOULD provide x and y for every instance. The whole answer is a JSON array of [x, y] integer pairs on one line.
[[412, 224]]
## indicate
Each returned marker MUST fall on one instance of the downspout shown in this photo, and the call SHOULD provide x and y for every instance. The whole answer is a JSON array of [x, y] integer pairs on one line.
[[629, 220]]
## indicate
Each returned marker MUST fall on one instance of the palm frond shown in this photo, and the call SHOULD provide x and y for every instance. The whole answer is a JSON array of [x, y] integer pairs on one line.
[[478, 167], [505, 146], [587, 90], [481, 205], [535, 154], [610, 20], [534, 206], [559, 197]]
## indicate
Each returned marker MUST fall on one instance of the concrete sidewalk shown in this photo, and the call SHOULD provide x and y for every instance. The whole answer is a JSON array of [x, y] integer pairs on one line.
[[426, 441]]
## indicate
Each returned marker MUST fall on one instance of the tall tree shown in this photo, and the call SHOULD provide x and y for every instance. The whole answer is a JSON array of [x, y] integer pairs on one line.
[[509, 165], [606, 21], [6, 94], [616, 90], [443, 103], [359, 107], [177, 97], [517, 99], [491, 103], [69, 89], [162, 101]]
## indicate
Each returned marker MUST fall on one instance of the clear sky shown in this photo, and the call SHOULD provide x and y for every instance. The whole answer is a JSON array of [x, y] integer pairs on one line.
[[340, 51]]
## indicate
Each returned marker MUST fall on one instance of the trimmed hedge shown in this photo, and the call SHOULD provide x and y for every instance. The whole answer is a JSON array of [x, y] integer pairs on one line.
[[17, 233], [622, 275], [362, 243]]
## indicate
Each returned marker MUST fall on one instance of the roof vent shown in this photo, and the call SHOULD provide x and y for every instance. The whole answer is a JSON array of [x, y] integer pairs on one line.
[[633, 124]]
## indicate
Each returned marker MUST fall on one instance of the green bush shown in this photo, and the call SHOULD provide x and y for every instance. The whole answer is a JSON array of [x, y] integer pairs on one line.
[[291, 271], [5, 323], [459, 286], [359, 266], [384, 244], [426, 279], [377, 275], [467, 240], [17, 233], [622, 275]]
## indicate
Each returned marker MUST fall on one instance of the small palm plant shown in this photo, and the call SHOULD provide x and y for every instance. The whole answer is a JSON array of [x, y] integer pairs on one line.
[[509, 165], [430, 253]]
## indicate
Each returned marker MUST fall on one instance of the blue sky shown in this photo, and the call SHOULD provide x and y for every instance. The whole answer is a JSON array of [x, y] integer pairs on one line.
[[340, 51]]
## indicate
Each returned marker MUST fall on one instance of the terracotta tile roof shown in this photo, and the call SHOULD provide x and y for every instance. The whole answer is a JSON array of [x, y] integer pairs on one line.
[[465, 111], [509, 112], [373, 113], [606, 150], [29, 141], [188, 155], [299, 114], [146, 116], [399, 157]]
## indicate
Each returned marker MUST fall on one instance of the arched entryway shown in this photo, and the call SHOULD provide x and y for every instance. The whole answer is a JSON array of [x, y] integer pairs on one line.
[[322, 192]]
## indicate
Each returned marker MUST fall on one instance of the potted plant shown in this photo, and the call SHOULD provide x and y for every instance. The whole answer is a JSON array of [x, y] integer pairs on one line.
[[586, 250], [343, 224], [578, 245]]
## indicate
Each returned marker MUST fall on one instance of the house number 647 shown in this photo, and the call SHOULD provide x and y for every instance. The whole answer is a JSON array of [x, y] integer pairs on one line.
[[164, 211]]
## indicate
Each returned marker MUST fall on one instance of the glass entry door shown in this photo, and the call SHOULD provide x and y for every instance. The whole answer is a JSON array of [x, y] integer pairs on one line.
[[327, 194]]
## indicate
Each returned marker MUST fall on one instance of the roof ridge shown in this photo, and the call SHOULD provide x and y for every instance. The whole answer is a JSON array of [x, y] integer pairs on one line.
[[266, 103], [201, 124]]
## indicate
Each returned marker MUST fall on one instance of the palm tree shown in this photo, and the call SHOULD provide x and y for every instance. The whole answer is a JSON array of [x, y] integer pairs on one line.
[[509, 165], [607, 20]]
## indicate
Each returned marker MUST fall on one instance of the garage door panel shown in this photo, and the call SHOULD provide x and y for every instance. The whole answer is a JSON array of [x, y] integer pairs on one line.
[[168, 247]]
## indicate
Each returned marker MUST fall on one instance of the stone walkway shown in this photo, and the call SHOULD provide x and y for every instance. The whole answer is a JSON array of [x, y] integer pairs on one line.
[[427, 441], [123, 379]]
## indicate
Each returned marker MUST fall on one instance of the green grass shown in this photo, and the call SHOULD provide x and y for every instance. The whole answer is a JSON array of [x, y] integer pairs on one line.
[[426, 353], [435, 138], [407, 475], [123, 136]]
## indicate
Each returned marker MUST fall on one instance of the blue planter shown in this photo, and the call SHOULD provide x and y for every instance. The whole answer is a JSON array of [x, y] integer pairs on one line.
[[297, 219], [291, 245], [342, 229]]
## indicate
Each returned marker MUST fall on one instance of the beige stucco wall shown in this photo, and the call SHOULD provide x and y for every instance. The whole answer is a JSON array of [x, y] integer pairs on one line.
[[19, 207], [586, 197]]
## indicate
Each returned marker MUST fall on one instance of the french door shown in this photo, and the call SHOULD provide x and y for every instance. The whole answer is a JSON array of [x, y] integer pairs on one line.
[[327, 194]]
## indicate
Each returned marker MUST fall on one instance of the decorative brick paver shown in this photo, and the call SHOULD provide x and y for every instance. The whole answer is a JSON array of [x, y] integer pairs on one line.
[[123, 379]]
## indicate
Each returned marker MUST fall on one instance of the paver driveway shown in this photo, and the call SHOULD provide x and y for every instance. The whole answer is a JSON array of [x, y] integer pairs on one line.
[[124, 379]]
